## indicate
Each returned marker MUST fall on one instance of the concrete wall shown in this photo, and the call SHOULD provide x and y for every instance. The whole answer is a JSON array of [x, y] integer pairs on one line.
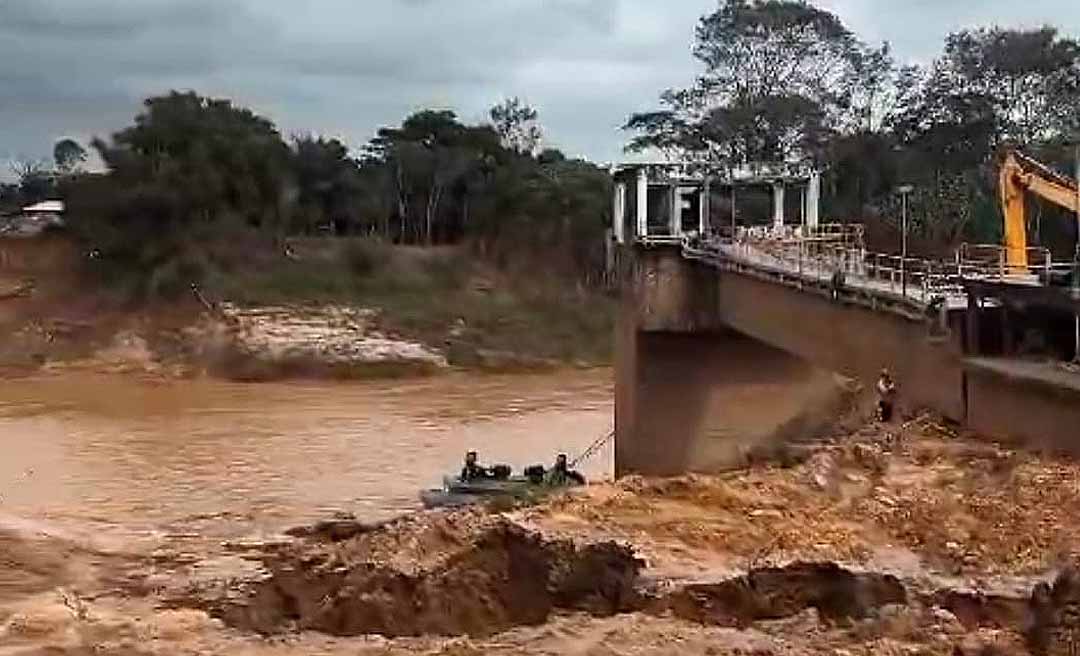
[[1020, 410], [852, 340]]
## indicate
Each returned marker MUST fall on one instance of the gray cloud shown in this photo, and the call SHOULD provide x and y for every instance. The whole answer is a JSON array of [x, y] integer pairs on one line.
[[345, 67]]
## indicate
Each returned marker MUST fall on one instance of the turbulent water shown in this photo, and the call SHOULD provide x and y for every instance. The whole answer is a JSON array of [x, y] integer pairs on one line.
[[117, 450]]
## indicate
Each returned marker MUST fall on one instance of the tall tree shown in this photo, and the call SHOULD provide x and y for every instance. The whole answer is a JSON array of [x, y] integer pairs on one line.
[[328, 183], [36, 180], [189, 173], [68, 155], [1030, 79], [431, 155], [518, 126], [777, 72]]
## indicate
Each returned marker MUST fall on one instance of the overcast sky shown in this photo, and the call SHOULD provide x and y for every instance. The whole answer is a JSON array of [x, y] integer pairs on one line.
[[345, 67]]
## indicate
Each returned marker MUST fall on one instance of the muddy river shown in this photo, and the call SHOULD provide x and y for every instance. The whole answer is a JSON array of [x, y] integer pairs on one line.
[[114, 450]]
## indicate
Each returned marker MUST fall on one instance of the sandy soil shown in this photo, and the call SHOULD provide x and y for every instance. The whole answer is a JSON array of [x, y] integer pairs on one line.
[[909, 540]]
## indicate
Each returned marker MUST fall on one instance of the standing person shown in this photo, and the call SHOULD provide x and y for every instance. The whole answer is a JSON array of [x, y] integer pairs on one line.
[[886, 390], [839, 277]]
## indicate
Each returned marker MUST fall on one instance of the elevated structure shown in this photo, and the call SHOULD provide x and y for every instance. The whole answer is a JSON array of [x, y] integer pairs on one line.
[[815, 292], [664, 202]]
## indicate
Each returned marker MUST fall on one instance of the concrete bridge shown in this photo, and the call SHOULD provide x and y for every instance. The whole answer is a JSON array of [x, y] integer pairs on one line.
[[695, 302]]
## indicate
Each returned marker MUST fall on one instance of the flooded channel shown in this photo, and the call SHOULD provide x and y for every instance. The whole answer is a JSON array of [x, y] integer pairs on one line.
[[123, 451]]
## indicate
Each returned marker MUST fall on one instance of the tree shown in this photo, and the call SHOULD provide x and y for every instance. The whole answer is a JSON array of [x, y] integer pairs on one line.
[[517, 126], [990, 88], [188, 178], [36, 181], [1030, 79], [328, 182], [432, 155], [776, 73], [68, 155]]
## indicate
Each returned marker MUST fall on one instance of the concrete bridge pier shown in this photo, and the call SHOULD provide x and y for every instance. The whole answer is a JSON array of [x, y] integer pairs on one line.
[[712, 364], [692, 395]]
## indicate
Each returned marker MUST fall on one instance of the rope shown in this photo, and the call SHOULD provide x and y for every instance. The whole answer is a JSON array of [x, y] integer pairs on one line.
[[593, 448]]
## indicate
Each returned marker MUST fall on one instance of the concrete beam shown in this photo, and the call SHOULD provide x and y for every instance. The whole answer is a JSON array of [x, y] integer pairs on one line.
[[675, 220]]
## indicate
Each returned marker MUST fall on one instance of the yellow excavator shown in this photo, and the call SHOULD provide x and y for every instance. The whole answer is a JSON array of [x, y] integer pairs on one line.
[[1021, 174]]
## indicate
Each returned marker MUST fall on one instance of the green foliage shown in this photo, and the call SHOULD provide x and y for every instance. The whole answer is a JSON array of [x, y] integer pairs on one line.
[[517, 126], [194, 178], [68, 155], [785, 82], [189, 175], [777, 72]]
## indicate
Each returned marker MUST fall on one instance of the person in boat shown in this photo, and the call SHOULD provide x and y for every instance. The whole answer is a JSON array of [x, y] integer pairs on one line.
[[561, 475], [473, 470]]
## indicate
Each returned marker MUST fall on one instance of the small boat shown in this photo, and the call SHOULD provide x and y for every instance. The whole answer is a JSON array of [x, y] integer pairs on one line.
[[456, 492], [501, 484]]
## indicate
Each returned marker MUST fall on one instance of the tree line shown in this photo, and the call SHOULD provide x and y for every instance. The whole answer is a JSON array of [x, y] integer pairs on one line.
[[784, 81], [195, 183]]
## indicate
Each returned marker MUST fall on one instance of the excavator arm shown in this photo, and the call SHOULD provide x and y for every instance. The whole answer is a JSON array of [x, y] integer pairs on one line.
[[1019, 175]]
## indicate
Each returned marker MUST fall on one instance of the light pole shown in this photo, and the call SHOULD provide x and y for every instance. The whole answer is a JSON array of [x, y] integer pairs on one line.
[[904, 191]]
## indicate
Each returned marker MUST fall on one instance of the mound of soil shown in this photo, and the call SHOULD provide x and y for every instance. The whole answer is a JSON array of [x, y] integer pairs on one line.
[[505, 577], [780, 592]]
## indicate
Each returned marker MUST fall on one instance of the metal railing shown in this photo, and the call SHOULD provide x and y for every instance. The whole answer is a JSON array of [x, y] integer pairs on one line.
[[846, 233], [834, 256], [990, 262], [915, 279]]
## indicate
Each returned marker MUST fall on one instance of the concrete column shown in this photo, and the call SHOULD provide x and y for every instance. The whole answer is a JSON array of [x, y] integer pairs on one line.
[[642, 203], [813, 200], [778, 205], [1008, 340], [703, 210], [972, 343], [675, 220], [618, 213]]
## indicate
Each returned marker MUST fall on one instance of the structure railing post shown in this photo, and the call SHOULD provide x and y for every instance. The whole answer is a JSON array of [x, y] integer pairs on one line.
[[903, 276]]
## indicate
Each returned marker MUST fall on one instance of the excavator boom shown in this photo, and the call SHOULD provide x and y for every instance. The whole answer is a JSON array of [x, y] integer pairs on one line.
[[1019, 175]]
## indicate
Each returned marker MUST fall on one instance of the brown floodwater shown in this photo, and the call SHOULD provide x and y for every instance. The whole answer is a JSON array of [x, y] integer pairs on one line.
[[120, 450]]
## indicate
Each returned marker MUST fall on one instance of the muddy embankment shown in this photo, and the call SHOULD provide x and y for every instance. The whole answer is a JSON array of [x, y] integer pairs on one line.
[[246, 344], [909, 540], [270, 343], [315, 314]]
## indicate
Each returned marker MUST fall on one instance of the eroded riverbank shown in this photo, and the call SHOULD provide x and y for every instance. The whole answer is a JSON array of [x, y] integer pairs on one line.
[[913, 541]]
